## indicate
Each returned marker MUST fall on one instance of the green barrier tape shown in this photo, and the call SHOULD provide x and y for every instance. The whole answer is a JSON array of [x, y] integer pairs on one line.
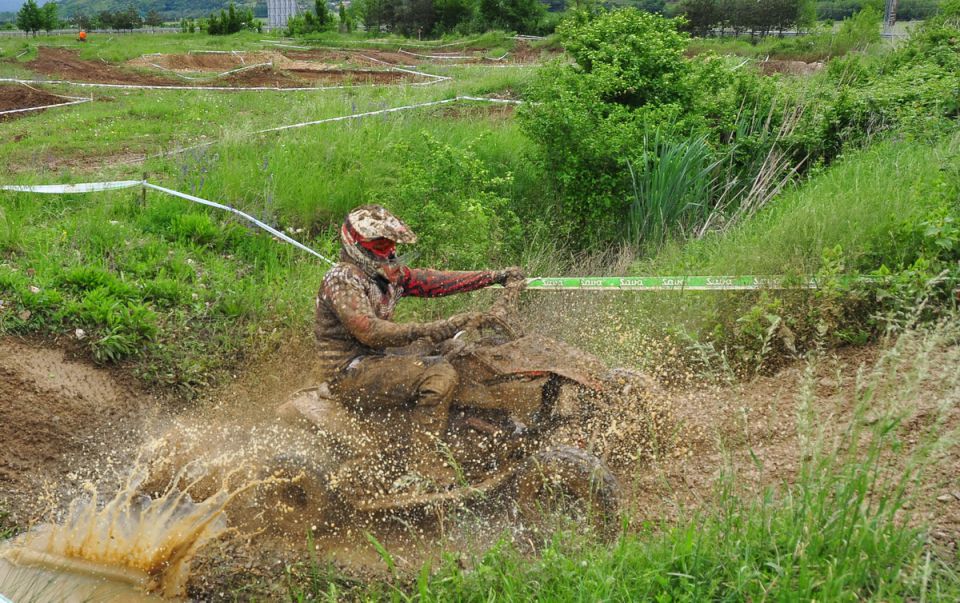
[[671, 283]]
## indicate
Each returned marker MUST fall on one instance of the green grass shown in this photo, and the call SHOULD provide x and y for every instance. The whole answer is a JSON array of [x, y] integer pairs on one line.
[[182, 291], [861, 204], [7, 528], [181, 294]]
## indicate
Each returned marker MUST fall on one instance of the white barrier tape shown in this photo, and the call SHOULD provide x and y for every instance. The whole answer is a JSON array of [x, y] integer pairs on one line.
[[76, 102], [246, 216], [90, 187], [363, 56], [73, 98], [204, 145], [155, 87], [436, 56], [210, 76], [437, 78], [62, 189], [289, 46], [357, 115], [507, 101], [635, 283], [388, 43], [440, 78]]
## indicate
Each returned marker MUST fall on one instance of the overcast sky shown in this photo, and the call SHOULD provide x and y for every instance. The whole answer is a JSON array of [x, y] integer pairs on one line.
[[13, 5]]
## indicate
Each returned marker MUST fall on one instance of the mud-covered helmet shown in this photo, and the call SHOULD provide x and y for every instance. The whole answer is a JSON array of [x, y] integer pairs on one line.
[[370, 234]]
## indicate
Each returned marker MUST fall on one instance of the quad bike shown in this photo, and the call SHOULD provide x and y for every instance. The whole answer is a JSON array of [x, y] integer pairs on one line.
[[515, 395]]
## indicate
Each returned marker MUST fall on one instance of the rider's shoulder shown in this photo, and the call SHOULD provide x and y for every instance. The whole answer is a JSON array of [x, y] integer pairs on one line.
[[343, 272]]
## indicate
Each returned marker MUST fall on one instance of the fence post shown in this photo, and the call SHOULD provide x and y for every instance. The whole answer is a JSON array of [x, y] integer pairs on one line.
[[143, 193]]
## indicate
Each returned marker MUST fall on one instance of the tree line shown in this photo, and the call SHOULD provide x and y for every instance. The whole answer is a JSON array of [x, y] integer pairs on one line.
[[437, 17], [739, 16], [32, 18]]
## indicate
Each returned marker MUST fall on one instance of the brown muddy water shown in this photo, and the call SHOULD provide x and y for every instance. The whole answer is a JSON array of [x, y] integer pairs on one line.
[[118, 549]]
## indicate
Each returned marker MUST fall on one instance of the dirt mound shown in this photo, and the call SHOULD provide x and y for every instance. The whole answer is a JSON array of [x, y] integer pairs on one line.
[[22, 97], [59, 420], [66, 64], [349, 57], [204, 61], [282, 73], [788, 67]]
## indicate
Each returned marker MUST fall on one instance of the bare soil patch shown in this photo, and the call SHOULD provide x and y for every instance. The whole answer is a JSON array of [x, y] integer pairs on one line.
[[23, 97], [61, 420], [771, 67], [66, 64], [203, 61], [494, 111], [281, 72]]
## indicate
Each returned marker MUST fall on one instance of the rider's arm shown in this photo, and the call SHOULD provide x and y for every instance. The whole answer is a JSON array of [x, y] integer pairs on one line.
[[352, 306], [418, 282]]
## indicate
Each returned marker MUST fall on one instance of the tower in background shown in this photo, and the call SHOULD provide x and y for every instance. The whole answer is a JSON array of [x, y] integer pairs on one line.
[[280, 11]]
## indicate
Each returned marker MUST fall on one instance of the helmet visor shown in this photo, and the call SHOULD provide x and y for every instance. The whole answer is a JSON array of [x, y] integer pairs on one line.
[[382, 248]]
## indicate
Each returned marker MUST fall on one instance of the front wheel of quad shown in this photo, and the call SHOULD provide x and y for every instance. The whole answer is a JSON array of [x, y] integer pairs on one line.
[[567, 482], [296, 493]]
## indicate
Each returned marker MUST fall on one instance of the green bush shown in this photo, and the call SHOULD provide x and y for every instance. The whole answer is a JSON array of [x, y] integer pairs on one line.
[[593, 119], [456, 207]]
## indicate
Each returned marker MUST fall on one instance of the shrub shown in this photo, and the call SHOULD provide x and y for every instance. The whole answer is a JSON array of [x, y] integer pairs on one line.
[[593, 119], [455, 206]]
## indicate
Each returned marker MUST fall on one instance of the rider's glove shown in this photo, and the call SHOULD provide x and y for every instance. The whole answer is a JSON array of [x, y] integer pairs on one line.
[[508, 275], [445, 329]]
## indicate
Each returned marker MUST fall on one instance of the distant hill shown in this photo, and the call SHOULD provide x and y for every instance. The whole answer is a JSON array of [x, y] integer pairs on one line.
[[168, 9]]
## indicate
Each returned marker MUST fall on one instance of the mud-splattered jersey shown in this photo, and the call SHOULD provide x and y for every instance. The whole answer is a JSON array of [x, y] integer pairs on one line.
[[355, 311]]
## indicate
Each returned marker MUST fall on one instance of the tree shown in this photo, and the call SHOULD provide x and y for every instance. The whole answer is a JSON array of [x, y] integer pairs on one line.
[[83, 21], [652, 6], [324, 17], [521, 16], [29, 18], [414, 17], [346, 24], [231, 21], [378, 14], [153, 19], [702, 15], [129, 18], [48, 16], [451, 13]]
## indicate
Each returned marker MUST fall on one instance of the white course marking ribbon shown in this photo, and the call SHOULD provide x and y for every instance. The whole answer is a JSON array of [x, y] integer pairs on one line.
[[90, 187], [76, 102]]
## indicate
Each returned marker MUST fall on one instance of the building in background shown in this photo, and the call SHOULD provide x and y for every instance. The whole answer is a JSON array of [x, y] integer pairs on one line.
[[280, 11]]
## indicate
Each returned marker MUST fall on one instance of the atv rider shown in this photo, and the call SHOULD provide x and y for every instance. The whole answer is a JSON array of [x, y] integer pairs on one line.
[[354, 328]]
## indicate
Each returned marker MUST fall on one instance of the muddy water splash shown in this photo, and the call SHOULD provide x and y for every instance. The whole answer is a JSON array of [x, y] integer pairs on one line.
[[131, 539]]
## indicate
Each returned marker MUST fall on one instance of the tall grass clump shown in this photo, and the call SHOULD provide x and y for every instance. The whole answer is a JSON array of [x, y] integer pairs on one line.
[[672, 188]]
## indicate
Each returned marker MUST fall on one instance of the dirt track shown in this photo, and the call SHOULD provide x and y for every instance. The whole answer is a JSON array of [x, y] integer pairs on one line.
[[67, 65], [22, 97], [60, 420], [63, 420]]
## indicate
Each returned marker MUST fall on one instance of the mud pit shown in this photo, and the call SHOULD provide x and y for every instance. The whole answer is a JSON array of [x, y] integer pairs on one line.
[[61, 420], [280, 72], [23, 97], [66, 418]]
